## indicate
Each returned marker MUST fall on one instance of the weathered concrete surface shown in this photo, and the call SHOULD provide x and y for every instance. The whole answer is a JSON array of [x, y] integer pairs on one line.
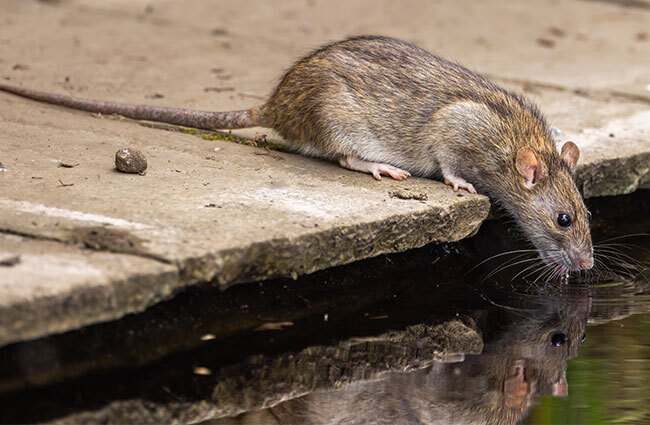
[[49, 281], [241, 213]]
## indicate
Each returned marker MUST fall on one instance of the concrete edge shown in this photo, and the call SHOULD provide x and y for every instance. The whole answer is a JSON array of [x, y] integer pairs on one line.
[[616, 176], [337, 246]]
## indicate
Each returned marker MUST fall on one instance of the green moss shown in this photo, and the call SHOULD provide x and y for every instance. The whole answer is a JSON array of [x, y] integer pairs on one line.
[[282, 266], [269, 145], [260, 142], [218, 136]]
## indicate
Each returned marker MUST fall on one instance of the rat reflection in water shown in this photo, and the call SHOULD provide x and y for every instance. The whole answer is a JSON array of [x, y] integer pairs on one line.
[[524, 356]]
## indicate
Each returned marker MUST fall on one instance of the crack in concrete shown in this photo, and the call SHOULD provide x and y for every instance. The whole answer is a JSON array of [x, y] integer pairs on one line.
[[113, 240], [86, 239], [628, 4], [594, 94], [7, 231]]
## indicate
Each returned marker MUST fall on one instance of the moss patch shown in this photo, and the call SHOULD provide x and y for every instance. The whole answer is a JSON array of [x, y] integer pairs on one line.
[[258, 142]]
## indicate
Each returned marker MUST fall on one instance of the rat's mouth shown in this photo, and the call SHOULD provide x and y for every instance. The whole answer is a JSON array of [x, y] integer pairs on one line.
[[560, 270]]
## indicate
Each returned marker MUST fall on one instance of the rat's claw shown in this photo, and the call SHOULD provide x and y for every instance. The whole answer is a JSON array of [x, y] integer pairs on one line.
[[376, 174]]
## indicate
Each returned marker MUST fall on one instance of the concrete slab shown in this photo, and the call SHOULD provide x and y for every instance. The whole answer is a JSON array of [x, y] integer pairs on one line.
[[214, 210], [46, 282]]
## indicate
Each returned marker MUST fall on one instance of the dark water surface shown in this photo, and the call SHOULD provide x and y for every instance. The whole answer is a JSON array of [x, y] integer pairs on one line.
[[419, 337]]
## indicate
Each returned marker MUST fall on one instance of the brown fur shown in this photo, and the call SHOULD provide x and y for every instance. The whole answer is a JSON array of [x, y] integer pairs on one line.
[[386, 101]]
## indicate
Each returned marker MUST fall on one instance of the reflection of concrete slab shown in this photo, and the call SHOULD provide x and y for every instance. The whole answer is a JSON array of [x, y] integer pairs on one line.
[[264, 381], [213, 210]]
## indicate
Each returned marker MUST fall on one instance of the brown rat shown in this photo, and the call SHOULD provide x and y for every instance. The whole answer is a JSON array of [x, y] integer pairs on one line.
[[386, 107]]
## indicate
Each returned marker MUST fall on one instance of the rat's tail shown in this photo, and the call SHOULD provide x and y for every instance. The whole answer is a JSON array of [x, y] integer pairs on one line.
[[186, 117]]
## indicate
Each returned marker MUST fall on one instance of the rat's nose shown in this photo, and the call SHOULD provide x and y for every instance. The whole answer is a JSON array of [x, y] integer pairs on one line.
[[581, 258], [586, 263]]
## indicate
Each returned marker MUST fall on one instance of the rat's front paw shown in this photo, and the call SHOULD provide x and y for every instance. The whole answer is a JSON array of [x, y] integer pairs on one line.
[[459, 182]]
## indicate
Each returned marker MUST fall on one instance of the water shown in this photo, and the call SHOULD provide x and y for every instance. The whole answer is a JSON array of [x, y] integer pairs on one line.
[[407, 338]]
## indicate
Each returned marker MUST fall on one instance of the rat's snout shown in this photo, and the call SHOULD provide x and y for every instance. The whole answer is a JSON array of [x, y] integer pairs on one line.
[[582, 259]]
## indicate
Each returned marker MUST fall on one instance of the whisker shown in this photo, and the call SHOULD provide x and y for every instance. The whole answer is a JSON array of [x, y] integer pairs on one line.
[[620, 256], [625, 236], [506, 265], [543, 273], [613, 250], [622, 245], [540, 268], [539, 260], [600, 263], [516, 251]]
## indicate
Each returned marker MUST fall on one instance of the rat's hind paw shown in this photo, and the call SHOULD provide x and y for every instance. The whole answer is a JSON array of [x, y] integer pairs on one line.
[[377, 169]]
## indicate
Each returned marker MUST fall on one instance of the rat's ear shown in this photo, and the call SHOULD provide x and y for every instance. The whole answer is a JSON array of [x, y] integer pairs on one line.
[[570, 154], [529, 166]]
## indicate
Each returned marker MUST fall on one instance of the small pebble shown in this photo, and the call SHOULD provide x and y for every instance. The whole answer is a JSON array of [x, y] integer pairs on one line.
[[130, 161], [219, 31], [10, 260], [546, 42]]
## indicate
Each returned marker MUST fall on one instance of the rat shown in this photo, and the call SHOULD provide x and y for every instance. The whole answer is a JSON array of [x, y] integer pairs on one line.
[[384, 106]]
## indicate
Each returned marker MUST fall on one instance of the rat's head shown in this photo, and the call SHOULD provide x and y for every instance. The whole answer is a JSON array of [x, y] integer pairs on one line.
[[556, 219]]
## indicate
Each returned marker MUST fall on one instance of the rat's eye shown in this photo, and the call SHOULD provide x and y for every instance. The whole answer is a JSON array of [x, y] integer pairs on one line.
[[558, 339], [588, 215], [563, 220]]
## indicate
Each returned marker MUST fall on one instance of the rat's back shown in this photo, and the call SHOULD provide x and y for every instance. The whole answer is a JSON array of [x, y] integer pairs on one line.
[[372, 97]]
